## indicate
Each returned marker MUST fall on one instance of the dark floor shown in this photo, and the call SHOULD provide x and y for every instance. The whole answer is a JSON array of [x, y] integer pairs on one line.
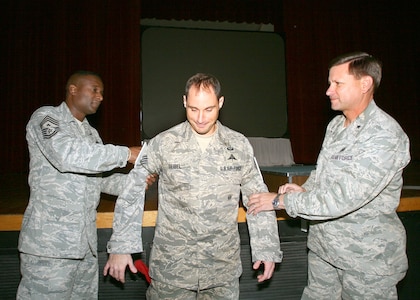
[[287, 283]]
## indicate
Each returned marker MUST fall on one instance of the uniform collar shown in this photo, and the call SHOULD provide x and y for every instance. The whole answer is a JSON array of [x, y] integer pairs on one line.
[[67, 115], [187, 132], [220, 136], [364, 117]]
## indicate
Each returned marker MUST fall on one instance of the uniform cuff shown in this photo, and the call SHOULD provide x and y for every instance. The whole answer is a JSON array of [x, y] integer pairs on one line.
[[289, 205]]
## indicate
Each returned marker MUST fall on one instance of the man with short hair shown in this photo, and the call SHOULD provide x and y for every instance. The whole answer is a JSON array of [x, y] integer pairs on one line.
[[203, 169], [356, 241], [58, 239]]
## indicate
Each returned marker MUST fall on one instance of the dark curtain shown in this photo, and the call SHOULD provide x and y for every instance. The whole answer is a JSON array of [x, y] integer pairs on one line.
[[317, 31], [43, 42]]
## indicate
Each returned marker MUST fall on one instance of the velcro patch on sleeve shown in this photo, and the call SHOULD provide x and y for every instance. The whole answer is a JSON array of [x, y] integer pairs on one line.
[[49, 127]]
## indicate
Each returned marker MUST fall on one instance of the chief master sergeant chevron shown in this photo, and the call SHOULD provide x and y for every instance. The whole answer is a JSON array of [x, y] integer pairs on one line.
[[58, 241], [203, 167]]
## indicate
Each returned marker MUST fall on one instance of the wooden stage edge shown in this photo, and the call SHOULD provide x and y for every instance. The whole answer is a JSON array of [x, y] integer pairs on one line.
[[13, 222]]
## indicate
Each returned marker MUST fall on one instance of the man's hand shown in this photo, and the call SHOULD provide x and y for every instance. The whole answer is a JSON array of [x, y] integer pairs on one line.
[[290, 188], [134, 152], [264, 201], [150, 180], [260, 202], [116, 265], [268, 269]]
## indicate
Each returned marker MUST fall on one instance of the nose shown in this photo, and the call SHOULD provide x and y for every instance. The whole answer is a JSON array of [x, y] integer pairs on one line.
[[200, 117], [99, 96], [329, 91]]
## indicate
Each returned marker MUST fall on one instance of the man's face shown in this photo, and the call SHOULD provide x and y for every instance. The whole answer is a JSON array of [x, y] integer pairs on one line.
[[345, 91], [87, 95], [202, 108]]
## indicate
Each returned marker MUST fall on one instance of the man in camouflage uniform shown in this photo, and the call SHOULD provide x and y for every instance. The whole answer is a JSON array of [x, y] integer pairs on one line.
[[356, 241], [203, 167], [58, 239]]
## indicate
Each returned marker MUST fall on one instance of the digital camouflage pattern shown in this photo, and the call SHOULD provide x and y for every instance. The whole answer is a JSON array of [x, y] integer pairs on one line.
[[65, 179], [196, 243], [353, 194], [361, 286], [58, 278], [159, 290]]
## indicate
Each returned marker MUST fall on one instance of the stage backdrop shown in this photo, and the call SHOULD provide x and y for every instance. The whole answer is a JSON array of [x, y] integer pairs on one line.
[[249, 65]]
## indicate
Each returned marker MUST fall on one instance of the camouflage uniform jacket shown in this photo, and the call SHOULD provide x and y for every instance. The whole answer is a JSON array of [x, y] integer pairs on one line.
[[196, 242], [65, 184], [353, 194]]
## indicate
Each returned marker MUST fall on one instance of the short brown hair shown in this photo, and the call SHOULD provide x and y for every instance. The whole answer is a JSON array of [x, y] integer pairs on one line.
[[204, 80], [361, 64]]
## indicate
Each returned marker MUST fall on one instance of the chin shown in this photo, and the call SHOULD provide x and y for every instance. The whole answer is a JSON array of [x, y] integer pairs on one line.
[[201, 132], [334, 106]]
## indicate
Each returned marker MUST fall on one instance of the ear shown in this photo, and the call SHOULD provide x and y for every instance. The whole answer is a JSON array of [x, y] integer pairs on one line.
[[72, 89], [221, 101], [367, 83], [184, 100]]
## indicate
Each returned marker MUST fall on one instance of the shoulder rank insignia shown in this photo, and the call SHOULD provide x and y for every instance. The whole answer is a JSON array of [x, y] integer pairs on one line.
[[49, 127]]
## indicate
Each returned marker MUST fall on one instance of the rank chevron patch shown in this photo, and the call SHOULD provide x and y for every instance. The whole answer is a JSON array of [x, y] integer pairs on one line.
[[49, 127]]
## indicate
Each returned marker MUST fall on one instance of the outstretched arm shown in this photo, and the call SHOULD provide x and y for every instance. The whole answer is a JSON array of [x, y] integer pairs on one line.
[[264, 201]]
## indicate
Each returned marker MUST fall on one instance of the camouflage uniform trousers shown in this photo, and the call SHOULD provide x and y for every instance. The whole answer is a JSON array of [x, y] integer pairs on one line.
[[47, 278], [326, 282], [159, 291]]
